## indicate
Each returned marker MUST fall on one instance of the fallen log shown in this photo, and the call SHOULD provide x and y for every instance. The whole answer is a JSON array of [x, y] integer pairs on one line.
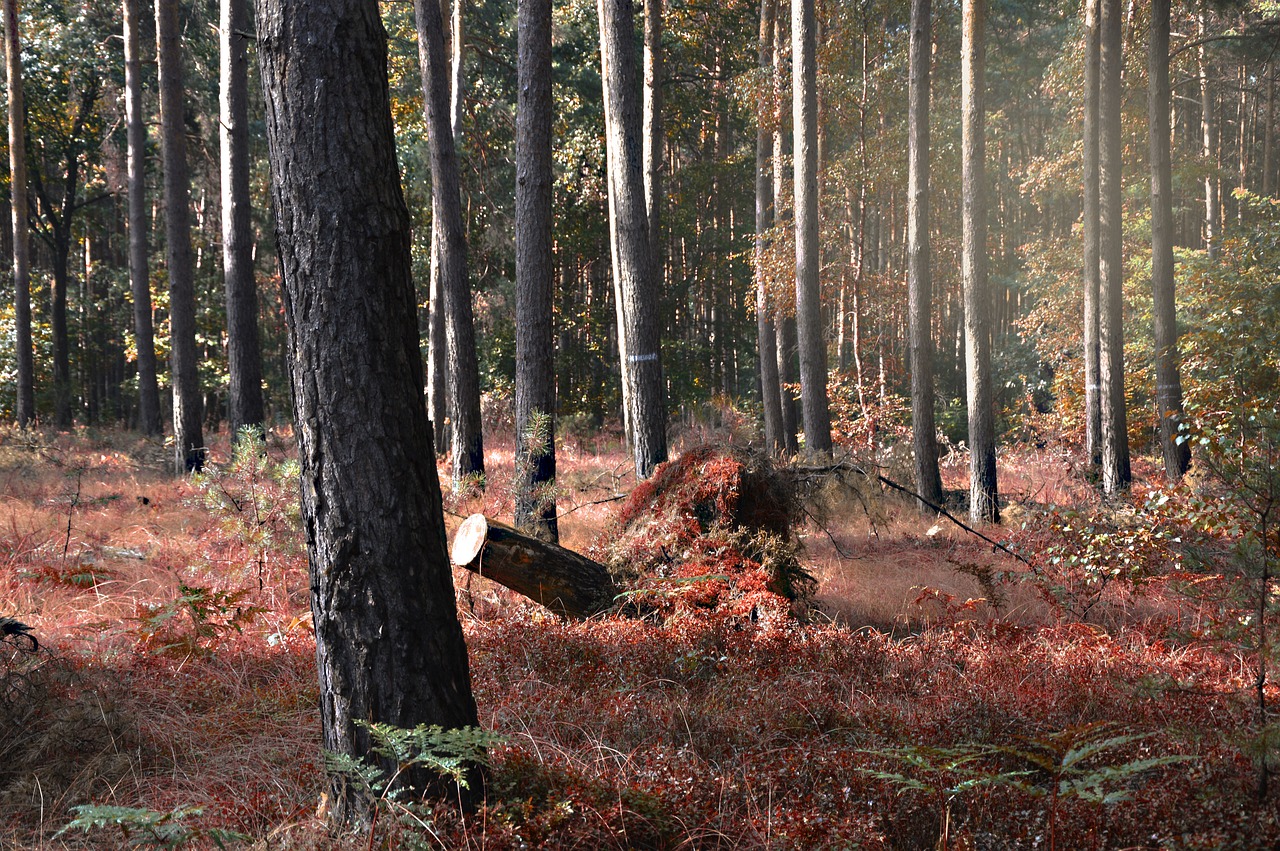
[[567, 583]]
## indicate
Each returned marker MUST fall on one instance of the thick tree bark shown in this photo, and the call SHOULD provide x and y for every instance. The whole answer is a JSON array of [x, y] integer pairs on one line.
[[810, 337], [535, 458], [25, 356], [1116, 473], [569, 584], [1177, 453], [389, 646], [446, 208], [244, 358], [1092, 397], [636, 280], [653, 133], [139, 273], [766, 335], [919, 279], [983, 496], [1209, 137], [189, 450]]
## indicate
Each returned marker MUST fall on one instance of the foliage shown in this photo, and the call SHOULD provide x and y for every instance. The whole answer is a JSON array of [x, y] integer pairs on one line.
[[194, 622], [142, 828]]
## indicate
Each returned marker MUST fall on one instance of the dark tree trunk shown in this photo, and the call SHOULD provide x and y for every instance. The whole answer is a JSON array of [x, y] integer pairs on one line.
[[25, 356], [983, 496], [1092, 397], [637, 282], [62, 390], [244, 358], [139, 274], [785, 321], [919, 279], [766, 335], [446, 209], [812, 343], [1177, 453], [1268, 137], [188, 435], [389, 646], [653, 133], [535, 461], [1116, 474]]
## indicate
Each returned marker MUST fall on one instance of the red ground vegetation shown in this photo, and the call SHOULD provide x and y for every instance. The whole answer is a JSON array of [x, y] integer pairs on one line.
[[179, 671]]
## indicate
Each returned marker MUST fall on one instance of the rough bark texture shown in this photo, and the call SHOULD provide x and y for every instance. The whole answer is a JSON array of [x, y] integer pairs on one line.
[[1177, 455], [535, 461], [810, 338], [1209, 137], [189, 450], [446, 209], [244, 357], [983, 498], [1092, 398], [139, 274], [569, 584], [25, 357], [636, 280], [1116, 474], [766, 335], [388, 644], [653, 133], [437, 353], [919, 280]]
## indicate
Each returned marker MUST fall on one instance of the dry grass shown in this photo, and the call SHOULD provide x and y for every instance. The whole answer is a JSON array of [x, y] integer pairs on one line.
[[621, 734]]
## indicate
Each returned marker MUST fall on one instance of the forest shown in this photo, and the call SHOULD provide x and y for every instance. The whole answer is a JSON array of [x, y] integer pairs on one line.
[[672, 425]]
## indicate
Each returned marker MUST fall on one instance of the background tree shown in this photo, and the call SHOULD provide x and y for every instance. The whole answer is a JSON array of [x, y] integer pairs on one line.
[[810, 339], [983, 499], [1092, 398], [919, 280], [535, 461], [463, 378], [24, 356], [244, 359], [388, 643], [637, 282], [766, 335]]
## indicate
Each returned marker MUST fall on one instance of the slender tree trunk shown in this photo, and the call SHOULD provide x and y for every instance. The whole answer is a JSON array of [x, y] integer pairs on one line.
[[813, 349], [766, 335], [1176, 451], [62, 390], [244, 358], [189, 450], [139, 274], [1209, 134], [983, 497], [1116, 474], [785, 323], [389, 647], [1092, 397], [535, 459], [25, 356], [634, 274], [919, 280], [653, 133], [446, 208], [1268, 137]]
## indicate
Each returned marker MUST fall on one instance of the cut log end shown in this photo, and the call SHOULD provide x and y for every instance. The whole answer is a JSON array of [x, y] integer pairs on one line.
[[469, 540]]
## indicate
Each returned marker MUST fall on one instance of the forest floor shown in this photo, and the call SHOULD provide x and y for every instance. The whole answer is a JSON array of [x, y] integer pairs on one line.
[[938, 694]]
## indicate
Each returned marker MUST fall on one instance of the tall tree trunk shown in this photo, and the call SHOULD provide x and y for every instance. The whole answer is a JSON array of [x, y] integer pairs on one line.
[[244, 358], [1116, 474], [62, 390], [636, 280], [1092, 397], [189, 450], [1268, 137], [1209, 135], [766, 335], [919, 280], [983, 497], [653, 133], [389, 647], [785, 322], [446, 208], [804, 111], [535, 458], [139, 274], [25, 356], [1176, 451]]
